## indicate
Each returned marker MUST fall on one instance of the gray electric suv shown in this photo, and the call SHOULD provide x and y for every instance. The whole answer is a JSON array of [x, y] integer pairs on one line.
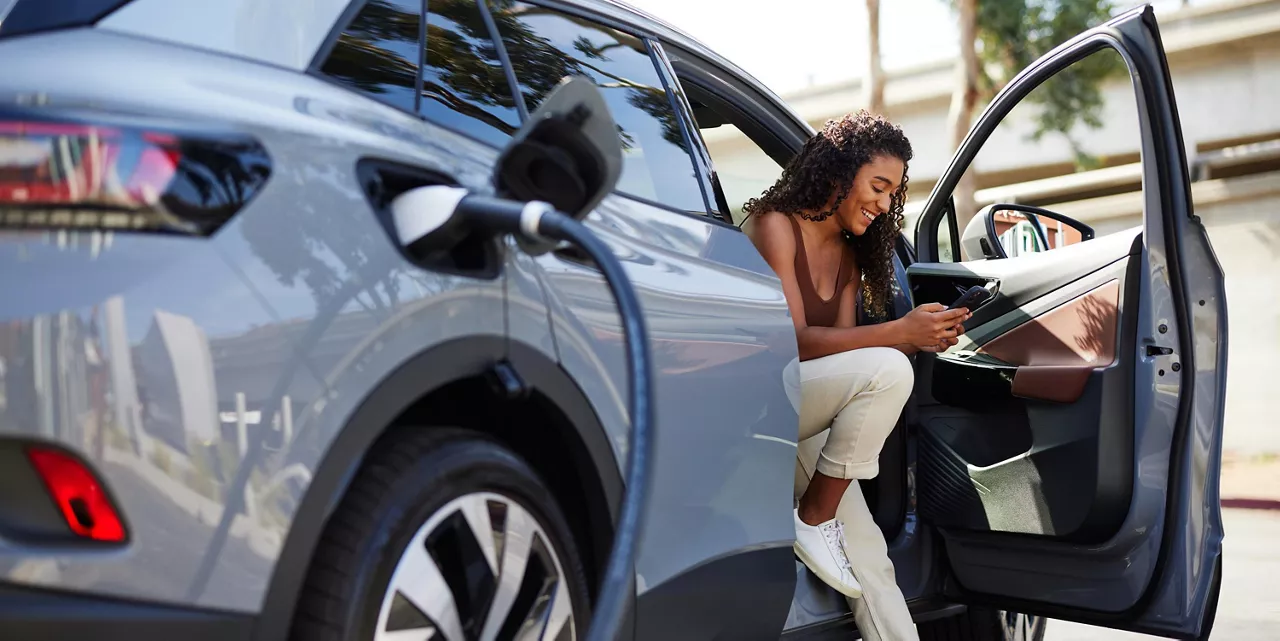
[[233, 406]]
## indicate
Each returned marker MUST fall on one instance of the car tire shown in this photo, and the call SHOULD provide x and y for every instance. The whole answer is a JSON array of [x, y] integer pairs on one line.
[[982, 624], [446, 529]]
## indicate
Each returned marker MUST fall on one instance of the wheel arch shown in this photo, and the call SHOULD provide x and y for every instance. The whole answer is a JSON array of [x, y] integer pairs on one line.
[[449, 385]]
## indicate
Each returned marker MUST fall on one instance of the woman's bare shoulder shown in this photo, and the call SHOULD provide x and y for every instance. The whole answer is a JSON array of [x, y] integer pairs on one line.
[[769, 225], [772, 235]]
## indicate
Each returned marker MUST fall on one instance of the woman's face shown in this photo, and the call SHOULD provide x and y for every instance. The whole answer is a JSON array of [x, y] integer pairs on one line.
[[871, 193]]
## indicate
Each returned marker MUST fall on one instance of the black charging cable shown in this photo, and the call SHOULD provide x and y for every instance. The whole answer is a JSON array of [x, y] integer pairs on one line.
[[540, 221]]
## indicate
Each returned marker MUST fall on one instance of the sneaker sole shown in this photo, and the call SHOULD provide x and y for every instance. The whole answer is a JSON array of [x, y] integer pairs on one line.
[[836, 584]]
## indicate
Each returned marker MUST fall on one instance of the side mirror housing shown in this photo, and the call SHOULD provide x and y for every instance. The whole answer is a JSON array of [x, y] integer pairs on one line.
[[1005, 230]]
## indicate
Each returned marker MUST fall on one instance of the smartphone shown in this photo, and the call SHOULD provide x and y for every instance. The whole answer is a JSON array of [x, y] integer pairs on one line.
[[976, 296]]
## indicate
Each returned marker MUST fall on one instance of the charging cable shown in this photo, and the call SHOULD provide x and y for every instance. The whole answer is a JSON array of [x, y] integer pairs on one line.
[[435, 215]]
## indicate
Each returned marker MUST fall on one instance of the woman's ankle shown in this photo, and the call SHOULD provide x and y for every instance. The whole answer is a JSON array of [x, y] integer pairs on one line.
[[822, 498], [811, 515]]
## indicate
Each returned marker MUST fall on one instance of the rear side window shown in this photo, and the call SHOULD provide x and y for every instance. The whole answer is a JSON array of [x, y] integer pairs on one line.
[[30, 16], [377, 54], [463, 85], [545, 46]]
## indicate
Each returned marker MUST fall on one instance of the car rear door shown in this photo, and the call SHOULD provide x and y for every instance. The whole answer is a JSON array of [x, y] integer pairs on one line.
[[720, 496], [1069, 447]]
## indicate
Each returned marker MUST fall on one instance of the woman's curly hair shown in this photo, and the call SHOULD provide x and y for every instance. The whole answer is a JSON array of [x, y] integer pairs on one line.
[[827, 164]]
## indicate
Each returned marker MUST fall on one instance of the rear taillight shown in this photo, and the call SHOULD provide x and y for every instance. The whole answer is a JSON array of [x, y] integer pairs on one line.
[[60, 173], [79, 495]]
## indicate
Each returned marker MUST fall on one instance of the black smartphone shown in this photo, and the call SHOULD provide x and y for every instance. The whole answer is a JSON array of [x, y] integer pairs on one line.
[[976, 297]]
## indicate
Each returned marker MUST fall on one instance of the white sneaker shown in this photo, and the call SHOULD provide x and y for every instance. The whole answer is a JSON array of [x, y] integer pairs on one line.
[[821, 548]]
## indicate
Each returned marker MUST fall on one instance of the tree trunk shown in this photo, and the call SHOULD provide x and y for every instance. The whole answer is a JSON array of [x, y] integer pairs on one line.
[[963, 101], [873, 82]]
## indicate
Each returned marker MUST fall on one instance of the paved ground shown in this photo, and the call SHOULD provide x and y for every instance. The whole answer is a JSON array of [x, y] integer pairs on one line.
[[1249, 609]]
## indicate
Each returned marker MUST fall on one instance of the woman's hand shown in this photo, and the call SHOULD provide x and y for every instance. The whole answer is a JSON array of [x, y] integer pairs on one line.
[[932, 327]]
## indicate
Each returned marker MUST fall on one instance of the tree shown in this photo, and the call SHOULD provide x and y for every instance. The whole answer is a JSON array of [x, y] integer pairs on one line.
[[873, 84], [998, 39], [1014, 33], [964, 99]]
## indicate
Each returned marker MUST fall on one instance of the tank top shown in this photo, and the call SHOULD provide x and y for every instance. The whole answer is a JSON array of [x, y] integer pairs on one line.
[[818, 312]]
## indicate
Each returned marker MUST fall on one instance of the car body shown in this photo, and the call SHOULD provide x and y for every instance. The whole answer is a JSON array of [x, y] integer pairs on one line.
[[227, 380]]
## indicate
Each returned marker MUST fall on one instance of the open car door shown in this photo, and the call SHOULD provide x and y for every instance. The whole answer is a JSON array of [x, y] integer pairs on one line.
[[1069, 447]]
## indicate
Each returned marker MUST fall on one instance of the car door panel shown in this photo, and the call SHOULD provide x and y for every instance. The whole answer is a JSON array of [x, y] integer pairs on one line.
[[1019, 431], [724, 434], [1022, 280], [1070, 445]]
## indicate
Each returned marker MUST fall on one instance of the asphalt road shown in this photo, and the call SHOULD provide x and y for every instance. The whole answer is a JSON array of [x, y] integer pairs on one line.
[[1249, 607]]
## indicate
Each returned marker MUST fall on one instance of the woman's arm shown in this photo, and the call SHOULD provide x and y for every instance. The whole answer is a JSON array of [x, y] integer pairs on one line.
[[776, 242], [848, 318], [848, 315], [928, 327]]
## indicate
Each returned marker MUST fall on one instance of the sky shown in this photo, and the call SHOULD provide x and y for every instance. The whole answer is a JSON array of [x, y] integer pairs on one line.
[[821, 41]]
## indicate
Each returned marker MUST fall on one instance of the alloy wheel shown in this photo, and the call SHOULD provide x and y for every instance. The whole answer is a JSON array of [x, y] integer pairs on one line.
[[481, 567], [1022, 627]]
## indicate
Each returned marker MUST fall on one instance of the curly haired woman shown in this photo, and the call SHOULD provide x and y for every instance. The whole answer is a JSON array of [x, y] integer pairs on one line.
[[827, 227]]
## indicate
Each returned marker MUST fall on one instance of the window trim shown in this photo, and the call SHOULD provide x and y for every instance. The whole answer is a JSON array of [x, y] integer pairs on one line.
[[696, 215], [953, 232], [938, 204], [768, 116], [699, 157], [499, 46], [420, 81], [508, 71], [646, 37], [331, 39], [314, 69], [754, 114], [748, 126], [597, 17]]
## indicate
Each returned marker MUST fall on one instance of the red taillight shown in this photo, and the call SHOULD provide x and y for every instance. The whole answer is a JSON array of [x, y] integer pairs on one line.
[[80, 497], [46, 164], [57, 173]]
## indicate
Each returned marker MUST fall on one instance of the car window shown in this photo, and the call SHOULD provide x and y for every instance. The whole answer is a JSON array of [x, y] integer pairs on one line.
[[744, 170], [545, 46], [377, 54], [1064, 148], [463, 84]]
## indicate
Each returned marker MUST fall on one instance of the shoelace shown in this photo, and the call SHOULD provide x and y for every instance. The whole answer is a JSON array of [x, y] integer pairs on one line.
[[834, 533]]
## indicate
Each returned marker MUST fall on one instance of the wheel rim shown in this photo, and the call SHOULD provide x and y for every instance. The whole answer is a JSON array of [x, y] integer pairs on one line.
[[481, 567], [1019, 626]]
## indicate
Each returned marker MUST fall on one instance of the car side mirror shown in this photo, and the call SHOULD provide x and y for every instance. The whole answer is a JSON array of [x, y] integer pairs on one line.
[[568, 153], [1006, 230]]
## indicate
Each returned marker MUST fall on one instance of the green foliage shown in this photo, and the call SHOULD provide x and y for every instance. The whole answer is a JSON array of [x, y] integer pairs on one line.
[[1014, 33]]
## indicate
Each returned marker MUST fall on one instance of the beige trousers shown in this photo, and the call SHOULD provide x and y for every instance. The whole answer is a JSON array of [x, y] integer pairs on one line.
[[859, 395]]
